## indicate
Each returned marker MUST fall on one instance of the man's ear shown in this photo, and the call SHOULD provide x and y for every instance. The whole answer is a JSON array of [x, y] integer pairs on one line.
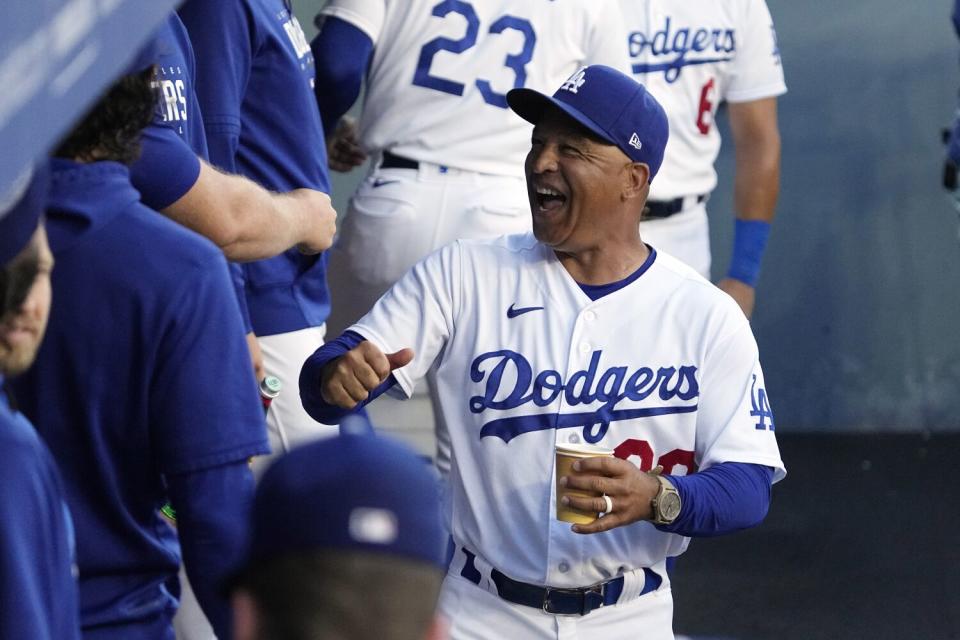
[[636, 181]]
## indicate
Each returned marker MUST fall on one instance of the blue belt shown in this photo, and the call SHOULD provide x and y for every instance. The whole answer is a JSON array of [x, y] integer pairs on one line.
[[554, 600]]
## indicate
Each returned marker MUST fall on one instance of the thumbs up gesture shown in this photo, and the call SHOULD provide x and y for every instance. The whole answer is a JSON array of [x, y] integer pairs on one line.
[[349, 379]]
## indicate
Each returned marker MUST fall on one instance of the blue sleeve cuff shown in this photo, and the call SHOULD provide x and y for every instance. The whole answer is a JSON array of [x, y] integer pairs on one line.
[[722, 499], [339, 77], [749, 243], [310, 395]]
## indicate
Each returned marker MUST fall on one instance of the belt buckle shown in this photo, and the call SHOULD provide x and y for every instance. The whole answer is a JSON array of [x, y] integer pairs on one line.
[[590, 598]]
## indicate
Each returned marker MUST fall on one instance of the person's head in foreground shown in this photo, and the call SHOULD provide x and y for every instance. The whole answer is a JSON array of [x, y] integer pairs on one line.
[[596, 145], [346, 544], [25, 266]]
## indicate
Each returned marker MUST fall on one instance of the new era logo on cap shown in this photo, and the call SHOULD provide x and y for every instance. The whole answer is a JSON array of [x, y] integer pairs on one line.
[[610, 104]]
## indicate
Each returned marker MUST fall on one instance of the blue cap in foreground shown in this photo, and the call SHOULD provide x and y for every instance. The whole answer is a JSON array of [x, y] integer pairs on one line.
[[612, 105], [20, 210], [353, 491]]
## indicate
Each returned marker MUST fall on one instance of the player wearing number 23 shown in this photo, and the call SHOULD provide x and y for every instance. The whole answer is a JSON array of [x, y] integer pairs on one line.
[[577, 333]]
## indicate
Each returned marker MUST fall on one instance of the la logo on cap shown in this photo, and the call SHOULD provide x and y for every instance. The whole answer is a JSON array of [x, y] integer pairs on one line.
[[575, 81], [635, 142]]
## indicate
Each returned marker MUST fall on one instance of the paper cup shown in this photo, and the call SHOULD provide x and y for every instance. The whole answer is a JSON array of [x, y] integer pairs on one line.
[[567, 454]]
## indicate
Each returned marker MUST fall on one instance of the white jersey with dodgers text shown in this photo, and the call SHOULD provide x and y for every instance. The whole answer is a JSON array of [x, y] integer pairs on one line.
[[693, 55], [663, 371], [437, 84]]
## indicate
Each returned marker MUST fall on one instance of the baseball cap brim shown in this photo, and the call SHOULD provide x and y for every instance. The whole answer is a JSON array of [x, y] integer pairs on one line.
[[21, 209], [531, 105]]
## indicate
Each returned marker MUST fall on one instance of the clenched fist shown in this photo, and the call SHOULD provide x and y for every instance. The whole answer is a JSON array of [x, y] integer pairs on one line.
[[349, 379]]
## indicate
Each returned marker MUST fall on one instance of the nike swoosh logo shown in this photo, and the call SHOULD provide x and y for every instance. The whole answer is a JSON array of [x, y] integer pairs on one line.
[[513, 313], [379, 182]]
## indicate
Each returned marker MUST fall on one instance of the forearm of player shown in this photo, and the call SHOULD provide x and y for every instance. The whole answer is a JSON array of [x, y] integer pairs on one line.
[[725, 498], [212, 508], [250, 223], [756, 185]]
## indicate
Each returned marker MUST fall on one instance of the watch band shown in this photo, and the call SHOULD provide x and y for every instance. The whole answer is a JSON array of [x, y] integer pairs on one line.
[[666, 504]]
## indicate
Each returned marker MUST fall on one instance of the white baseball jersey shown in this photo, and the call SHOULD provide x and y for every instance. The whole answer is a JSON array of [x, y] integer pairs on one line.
[[437, 84], [693, 55], [663, 371]]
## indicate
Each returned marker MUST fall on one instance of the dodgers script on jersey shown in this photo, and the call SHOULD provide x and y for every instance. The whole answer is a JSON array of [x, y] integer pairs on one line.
[[448, 58], [692, 56], [663, 371]]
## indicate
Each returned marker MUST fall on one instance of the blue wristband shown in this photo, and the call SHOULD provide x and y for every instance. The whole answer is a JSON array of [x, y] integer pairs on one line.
[[749, 243]]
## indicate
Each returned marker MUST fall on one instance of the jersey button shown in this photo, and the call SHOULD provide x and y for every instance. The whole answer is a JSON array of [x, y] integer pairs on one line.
[[574, 439], [584, 347], [563, 566], [589, 316]]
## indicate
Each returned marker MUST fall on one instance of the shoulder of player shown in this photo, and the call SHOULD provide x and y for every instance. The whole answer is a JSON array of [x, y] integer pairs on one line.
[[156, 248], [690, 287], [23, 450]]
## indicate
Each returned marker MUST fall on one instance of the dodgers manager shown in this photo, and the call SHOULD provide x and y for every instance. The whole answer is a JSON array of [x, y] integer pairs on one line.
[[578, 333]]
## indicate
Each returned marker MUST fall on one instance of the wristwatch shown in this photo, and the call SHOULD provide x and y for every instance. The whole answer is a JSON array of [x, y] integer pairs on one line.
[[666, 504]]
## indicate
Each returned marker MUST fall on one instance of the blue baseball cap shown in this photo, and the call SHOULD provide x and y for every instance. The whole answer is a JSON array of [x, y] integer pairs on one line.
[[353, 491], [21, 206], [612, 105]]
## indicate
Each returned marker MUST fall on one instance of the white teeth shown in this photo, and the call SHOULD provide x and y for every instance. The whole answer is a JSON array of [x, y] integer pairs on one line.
[[544, 191]]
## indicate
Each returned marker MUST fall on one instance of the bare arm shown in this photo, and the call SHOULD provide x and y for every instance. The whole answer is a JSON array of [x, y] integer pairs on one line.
[[250, 223], [756, 139]]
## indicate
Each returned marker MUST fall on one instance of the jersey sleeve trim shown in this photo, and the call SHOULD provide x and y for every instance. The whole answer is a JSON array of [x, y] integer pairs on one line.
[[766, 91], [774, 462], [354, 18]]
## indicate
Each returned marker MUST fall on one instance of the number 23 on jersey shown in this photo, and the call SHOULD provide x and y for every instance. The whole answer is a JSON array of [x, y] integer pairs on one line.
[[516, 62]]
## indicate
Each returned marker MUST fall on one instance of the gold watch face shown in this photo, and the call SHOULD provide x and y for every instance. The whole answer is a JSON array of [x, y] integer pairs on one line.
[[669, 506]]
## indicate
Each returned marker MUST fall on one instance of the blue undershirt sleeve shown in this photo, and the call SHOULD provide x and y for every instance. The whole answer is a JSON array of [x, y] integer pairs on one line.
[[213, 508], [313, 402], [725, 498], [341, 54]]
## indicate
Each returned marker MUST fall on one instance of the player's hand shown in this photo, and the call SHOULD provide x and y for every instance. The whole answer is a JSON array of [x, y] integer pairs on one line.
[[741, 292], [630, 490], [348, 380], [319, 221], [256, 357], [343, 146]]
